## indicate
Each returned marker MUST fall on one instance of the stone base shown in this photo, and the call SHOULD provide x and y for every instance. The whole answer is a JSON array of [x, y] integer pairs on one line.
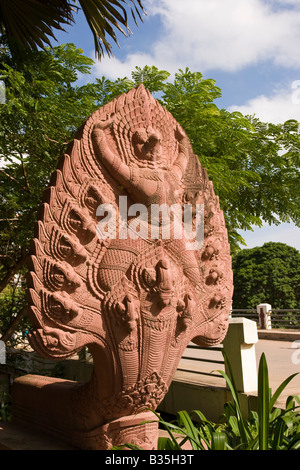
[[21, 437], [48, 405]]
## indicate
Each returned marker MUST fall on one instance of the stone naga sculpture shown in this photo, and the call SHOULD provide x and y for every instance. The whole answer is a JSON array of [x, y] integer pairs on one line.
[[99, 278]]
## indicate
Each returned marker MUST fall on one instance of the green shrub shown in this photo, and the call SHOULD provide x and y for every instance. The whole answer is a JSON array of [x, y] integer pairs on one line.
[[268, 428]]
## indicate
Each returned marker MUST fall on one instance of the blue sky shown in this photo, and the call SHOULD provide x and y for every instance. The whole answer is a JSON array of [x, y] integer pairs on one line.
[[250, 47]]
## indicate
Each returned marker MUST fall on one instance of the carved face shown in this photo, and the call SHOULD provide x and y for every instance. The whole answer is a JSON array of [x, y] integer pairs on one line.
[[92, 199], [65, 248], [75, 220], [147, 144]]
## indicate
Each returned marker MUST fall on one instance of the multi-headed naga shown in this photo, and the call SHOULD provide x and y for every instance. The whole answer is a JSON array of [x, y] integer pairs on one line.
[[115, 269]]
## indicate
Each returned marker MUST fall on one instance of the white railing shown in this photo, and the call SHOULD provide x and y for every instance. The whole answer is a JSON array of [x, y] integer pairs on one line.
[[239, 346], [243, 327], [267, 317], [197, 353]]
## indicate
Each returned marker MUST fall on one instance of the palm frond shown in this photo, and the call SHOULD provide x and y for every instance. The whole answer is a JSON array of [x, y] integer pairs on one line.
[[31, 23], [105, 17]]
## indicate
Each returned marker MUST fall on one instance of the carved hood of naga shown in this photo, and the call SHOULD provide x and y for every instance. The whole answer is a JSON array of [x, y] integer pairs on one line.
[[99, 277]]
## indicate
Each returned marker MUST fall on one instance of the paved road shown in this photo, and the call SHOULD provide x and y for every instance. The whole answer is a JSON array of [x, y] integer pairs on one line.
[[283, 359]]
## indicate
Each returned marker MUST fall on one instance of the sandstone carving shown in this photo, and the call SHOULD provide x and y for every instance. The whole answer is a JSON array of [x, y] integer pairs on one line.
[[103, 280]]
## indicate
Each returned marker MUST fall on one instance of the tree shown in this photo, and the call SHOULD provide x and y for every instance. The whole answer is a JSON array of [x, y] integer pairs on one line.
[[267, 274], [254, 166], [43, 110], [30, 23]]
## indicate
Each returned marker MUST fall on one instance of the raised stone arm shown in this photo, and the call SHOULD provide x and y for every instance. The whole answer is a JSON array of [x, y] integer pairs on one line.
[[132, 178], [111, 161], [179, 166]]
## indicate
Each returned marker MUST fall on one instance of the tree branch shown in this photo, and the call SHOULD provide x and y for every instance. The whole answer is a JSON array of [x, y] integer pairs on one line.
[[55, 141], [24, 172], [13, 270], [13, 179], [9, 176], [13, 326]]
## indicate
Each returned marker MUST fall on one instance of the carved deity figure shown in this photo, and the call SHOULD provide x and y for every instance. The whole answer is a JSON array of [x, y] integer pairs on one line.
[[134, 301]]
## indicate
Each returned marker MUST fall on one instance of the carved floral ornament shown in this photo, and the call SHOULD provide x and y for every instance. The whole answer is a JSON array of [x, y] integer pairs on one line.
[[135, 301]]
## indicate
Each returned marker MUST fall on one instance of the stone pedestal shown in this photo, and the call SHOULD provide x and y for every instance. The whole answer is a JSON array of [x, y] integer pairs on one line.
[[239, 345], [19, 436], [53, 406], [264, 316]]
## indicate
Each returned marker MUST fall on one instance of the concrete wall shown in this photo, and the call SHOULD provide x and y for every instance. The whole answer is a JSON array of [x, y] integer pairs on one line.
[[209, 400]]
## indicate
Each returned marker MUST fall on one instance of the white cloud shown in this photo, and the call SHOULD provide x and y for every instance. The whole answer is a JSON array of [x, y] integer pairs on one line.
[[228, 35], [114, 68], [281, 105], [217, 34]]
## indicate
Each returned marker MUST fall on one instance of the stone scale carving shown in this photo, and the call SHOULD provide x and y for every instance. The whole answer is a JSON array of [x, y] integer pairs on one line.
[[134, 301]]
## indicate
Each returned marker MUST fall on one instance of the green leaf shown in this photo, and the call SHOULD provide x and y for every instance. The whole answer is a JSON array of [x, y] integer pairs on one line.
[[165, 443], [219, 441], [169, 427], [294, 444], [263, 403], [280, 389], [189, 428], [243, 428]]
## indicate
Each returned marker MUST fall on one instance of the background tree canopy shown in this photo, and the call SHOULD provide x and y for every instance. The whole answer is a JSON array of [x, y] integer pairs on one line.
[[267, 274], [254, 166]]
